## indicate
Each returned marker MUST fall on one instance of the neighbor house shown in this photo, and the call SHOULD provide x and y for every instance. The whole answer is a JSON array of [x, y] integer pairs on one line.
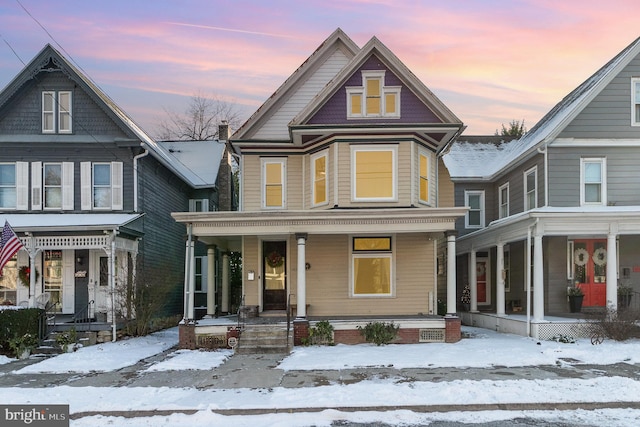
[[90, 194], [554, 210], [346, 211]]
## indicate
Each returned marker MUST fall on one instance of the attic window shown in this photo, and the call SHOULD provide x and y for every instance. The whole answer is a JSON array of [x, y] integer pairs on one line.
[[373, 99], [56, 112]]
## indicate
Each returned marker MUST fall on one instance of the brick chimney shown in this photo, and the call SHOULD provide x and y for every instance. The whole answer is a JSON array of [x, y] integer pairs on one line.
[[223, 131]]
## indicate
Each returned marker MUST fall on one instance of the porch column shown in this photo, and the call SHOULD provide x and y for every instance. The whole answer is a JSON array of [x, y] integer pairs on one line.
[[302, 273], [538, 285], [473, 280], [451, 273], [612, 270], [225, 283], [192, 280], [500, 279], [211, 282]]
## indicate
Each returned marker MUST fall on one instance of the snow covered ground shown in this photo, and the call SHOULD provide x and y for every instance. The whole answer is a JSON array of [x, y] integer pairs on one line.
[[484, 349]]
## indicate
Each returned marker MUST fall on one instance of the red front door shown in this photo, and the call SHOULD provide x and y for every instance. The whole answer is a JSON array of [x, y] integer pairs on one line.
[[590, 271]]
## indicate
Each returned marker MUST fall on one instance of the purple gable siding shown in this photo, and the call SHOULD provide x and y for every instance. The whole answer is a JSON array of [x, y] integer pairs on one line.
[[412, 110]]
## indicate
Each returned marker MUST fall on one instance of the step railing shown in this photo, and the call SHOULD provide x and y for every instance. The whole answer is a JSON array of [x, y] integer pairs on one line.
[[82, 315]]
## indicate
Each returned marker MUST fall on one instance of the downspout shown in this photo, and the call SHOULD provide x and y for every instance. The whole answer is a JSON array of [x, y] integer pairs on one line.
[[135, 177], [112, 283], [545, 151]]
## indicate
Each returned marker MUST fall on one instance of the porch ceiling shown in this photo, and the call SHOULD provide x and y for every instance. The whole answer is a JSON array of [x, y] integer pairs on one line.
[[334, 221]]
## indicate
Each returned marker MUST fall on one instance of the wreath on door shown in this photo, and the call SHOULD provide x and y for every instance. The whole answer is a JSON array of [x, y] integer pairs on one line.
[[600, 257], [274, 260], [580, 257]]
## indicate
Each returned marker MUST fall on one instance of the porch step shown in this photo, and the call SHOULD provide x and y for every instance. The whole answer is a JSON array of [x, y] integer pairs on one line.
[[256, 339]]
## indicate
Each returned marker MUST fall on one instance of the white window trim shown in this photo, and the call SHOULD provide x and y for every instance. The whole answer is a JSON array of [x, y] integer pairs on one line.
[[51, 112], [203, 274], [362, 91], [86, 186], [394, 184], [61, 112], [427, 155], [503, 203], [263, 182], [204, 205], [93, 202], [635, 81], [315, 157], [534, 171], [373, 254], [603, 183], [480, 193], [14, 186]]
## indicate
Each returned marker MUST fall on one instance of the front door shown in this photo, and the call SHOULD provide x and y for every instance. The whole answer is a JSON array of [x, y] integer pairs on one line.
[[590, 271], [274, 293], [482, 279]]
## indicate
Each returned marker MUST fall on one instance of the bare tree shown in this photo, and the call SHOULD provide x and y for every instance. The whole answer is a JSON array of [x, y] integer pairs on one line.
[[200, 120]]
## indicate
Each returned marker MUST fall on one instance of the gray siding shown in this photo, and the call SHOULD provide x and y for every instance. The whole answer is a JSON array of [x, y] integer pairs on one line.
[[609, 114], [489, 202]]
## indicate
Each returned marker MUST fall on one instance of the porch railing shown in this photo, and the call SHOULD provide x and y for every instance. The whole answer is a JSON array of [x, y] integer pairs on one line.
[[242, 314], [289, 316], [82, 316]]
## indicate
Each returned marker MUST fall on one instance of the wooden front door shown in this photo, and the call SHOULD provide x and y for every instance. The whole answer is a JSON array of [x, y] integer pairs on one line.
[[274, 291], [482, 279], [590, 271]]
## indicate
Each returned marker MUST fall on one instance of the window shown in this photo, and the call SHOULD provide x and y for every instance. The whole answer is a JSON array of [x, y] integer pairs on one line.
[[9, 282], [372, 261], [101, 186], [475, 216], [531, 189], [273, 179], [52, 180], [423, 185], [373, 173], [373, 98], [8, 191], [56, 112], [200, 273], [320, 182], [635, 102], [52, 186], [503, 196], [593, 181], [199, 205]]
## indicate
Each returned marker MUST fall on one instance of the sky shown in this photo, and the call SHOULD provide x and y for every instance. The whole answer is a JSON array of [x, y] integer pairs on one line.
[[489, 61], [489, 349]]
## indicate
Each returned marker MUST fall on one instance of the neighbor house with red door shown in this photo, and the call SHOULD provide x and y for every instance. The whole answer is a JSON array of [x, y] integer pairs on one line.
[[557, 209], [346, 210]]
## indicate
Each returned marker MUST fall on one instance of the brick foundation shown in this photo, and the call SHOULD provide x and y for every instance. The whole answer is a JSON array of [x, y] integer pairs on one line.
[[452, 329], [300, 331], [187, 337]]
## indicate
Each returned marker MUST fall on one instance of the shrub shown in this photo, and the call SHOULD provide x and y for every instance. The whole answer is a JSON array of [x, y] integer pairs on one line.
[[17, 323], [618, 325], [64, 339], [379, 332], [321, 333], [21, 343]]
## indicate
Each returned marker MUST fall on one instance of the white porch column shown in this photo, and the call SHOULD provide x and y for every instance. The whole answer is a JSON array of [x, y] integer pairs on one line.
[[500, 279], [192, 280], [612, 271], [225, 283], [473, 280], [538, 284], [112, 285], [211, 282], [451, 273], [187, 266], [302, 273]]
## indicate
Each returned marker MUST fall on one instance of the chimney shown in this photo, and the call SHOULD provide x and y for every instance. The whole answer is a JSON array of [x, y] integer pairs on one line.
[[223, 131]]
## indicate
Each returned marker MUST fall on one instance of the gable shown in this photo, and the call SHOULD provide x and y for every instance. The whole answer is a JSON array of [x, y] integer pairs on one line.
[[412, 109]]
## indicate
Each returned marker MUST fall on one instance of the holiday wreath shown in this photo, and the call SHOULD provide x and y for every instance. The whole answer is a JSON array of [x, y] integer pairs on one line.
[[274, 259], [24, 274]]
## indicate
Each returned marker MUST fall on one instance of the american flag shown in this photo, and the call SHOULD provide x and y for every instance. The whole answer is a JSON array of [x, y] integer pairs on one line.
[[9, 244]]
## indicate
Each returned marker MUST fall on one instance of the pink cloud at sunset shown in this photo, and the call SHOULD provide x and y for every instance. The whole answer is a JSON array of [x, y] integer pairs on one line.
[[489, 61]]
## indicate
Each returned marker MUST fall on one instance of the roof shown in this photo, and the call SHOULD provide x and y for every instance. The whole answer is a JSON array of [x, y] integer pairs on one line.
[[198, 161], [69, 221], [500, 157]]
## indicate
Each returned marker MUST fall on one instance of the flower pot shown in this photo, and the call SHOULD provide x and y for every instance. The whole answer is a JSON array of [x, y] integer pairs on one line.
[[575, 303], [25, 353]]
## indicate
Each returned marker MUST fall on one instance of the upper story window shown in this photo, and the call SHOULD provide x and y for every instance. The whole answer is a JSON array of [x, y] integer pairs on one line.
[[319, 176], [372, 263], [531, 189], [101, 186], [52, 186], [503, 200], [593, 181], [8, 189], [424, 171], [475, 216], [373, 99], [273, 183], [635, 102], [374, 173], [56, 112], [52, 183]]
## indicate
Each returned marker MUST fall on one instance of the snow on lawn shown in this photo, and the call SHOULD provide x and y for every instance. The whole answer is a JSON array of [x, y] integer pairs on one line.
[[5, 359], [184, 360], [107, 356], [485, 348]]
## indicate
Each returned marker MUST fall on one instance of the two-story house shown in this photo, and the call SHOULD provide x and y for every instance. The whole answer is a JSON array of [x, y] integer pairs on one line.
[[346, 210], [90, 194], [554, 209]]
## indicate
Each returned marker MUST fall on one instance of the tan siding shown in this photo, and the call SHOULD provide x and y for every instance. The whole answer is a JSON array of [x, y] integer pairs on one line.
[[251, 190], [251, 262], [446, 187], [295, 180], [308, 184]]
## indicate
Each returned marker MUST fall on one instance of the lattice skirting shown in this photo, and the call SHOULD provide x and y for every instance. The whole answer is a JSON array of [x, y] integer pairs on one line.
[[547, 331]]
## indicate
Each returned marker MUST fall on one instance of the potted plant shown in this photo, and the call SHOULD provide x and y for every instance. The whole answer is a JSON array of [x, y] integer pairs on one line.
[[625, 292], [22, 345], [576, 295], [67, 340]]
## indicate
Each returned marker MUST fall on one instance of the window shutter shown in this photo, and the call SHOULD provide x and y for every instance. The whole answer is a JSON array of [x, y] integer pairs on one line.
[[67, 186], [36, 186], [205, 205], [192, 205], [22, 186], [116, 186], [85, 186]]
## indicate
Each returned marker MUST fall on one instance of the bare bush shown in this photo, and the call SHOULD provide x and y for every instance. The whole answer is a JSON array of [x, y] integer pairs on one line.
[[618, 325]]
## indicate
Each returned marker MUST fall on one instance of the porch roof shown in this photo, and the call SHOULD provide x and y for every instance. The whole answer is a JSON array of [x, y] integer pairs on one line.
[[71, 222]]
